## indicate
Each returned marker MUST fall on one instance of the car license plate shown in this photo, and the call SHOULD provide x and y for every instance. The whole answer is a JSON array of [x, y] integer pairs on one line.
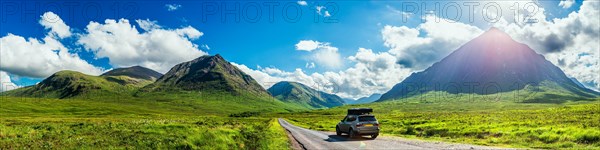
[[368, 125]]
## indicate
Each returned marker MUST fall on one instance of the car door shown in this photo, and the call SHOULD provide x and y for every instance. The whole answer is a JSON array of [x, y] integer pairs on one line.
[[344, 125], [348, 123]]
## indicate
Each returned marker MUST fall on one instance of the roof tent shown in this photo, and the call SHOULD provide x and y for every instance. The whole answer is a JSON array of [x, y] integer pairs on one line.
[[359, 111]]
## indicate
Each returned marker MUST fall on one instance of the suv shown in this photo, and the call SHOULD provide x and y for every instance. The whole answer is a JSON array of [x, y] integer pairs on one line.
[[358, 121]]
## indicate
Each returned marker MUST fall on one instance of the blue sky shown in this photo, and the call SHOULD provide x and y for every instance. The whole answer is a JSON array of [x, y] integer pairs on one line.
[[346, 26]]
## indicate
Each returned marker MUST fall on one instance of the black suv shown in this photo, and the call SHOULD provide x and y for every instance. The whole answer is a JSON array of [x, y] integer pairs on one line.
[[358, 121]]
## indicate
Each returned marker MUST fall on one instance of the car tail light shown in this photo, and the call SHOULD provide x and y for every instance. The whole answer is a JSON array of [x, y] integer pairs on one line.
[[359, 125], [377, 125]]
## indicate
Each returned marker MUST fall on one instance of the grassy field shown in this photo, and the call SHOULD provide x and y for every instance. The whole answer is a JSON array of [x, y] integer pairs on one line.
[[184, 121], [130, 123], [570, 124]]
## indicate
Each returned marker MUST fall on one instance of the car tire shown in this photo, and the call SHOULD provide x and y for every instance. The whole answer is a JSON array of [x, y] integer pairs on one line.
[[374, 136], [350, 133], [337, 131]]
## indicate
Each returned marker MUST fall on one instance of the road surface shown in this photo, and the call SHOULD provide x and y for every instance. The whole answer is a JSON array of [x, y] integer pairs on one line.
[[311, 139]]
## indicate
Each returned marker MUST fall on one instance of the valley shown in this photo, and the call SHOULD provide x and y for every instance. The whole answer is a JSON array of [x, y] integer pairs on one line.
[[209, 103]]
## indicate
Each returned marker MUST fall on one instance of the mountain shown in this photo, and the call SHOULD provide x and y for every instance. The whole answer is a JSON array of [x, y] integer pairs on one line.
[[208, 85], [298, 93], [135, 72], [577, 82], [365, 100], [492, 63], [209, 74], [68, 84], [213, 85]]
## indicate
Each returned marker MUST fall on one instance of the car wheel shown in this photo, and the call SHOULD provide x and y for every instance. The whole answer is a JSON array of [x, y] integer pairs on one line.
[[374, 136], [337, 131], [351, 134]]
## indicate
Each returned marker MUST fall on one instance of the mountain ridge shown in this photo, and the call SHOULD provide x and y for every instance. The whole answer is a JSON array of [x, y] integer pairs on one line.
[[211, 73], [298, 93], [490, 63]]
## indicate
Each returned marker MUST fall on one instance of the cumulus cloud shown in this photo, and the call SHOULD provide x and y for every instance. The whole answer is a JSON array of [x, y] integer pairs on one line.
[[5, 83], [156, 48], [308, 45], [321, 52], [147, 25], [328, 56], [417, 51], [302, 3], [172, 7], [43, 57], [56, 25], [570, 42], [566, 3], [371, 73]]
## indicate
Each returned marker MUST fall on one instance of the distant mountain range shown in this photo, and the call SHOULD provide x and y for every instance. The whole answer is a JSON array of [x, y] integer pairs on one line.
[[298, 93], [209, 83], [365, 100], [492, 63]]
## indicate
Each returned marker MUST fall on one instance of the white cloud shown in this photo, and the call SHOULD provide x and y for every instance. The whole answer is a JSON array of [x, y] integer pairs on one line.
[[420, 51], [5, 83], [302, 3], [148, 25], [571, 43], [308, 45], [41, 58], [310, 65], [372, 73], [327, 56], [206, 47], [322, 53], [321, 10], [157, 48], [172, 7], [566, 3], [56, 25]]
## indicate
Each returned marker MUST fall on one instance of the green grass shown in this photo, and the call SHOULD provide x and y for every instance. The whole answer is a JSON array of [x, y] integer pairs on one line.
[[130, 123], [191, 120], [71, 84], [570, 124]]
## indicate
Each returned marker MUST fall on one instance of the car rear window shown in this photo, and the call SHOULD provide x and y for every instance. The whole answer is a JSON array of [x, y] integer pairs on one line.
[[367, 118]]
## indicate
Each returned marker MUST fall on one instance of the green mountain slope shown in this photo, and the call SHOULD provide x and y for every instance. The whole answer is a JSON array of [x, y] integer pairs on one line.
[[210, 74], [68, 84], [213, 84], [298, 93]]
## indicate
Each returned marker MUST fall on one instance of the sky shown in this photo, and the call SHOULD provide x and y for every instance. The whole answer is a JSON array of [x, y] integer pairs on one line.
[[349, 48]]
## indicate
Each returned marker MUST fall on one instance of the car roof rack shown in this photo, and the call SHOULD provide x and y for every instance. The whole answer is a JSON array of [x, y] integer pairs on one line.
[[359, 111]]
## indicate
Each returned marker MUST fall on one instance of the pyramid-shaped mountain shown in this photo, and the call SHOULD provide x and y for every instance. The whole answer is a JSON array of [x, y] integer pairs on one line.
[[298, 93], [491, 63], [210, 74]]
